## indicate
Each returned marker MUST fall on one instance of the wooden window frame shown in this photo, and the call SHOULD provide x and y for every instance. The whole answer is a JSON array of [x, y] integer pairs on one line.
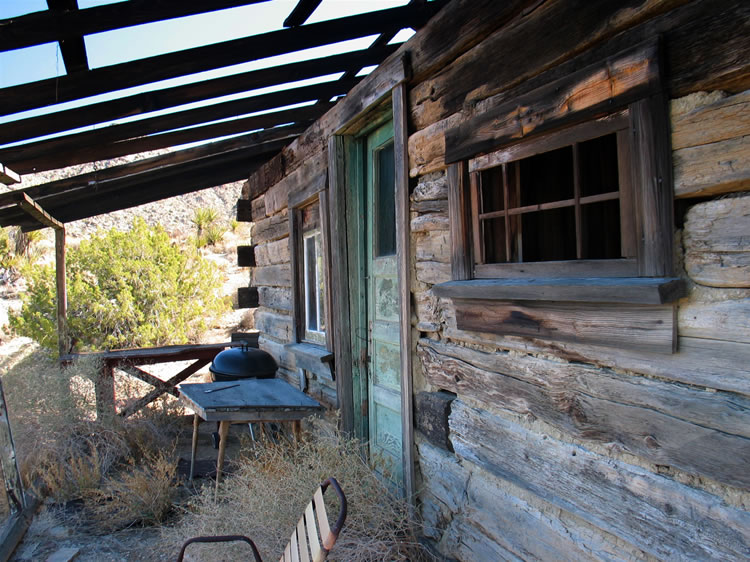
[[313, 356], [551, 300], [625, 86], [624, 267]]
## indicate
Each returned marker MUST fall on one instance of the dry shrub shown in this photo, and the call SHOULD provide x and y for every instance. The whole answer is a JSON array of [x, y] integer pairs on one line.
[[266, 495], [141, 494], [62, 450]]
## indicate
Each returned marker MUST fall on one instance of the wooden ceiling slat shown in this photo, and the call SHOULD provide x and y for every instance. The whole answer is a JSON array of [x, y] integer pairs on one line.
[[73, 48], [301, 12], [162, 181], [107, 142], [60, 121], [218, 55], [89, 179], [57, 25]]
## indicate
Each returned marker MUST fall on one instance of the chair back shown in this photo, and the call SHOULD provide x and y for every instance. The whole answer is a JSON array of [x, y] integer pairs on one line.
[[313, 538]]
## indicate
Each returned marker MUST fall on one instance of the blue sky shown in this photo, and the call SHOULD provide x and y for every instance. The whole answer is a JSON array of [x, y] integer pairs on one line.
[[104, 49]]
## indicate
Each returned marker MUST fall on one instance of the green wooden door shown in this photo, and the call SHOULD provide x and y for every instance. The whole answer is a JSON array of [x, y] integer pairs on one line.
[[384, 366]]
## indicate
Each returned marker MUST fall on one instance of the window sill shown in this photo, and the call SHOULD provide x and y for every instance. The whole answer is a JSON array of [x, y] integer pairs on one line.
[[313, 358], [623, 290]]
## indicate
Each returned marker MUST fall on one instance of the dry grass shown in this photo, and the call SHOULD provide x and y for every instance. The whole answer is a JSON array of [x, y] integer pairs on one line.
[[267, 494], [64, 452]]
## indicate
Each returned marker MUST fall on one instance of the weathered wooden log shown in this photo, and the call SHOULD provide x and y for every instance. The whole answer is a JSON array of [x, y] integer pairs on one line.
[[713, 169], [663, 423], [430, 206], [310, 175], [272, 228], [272, 253], [279, 298], [725, 413], [431, 188], [278, 326], [272, 276], [434, 246], [654, 513], [471, 513], [646, 328], [727, 320], [716, 238], [258, 211], [712, 364], [706, 118], [695, 59], [428, 223], [432, 272]]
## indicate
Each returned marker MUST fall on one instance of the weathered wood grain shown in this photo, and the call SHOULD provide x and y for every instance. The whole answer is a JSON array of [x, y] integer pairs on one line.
[[258, 209], [727, 320], [272, 228], [310, 175], [430, 206], [432, 272], [273, 324], [713, 364], [275, 297], [696, 61], [646, 328], [715, 238], [645, 418], [433, 246], [430, 222], [654, 513], [430, 188], [713, 169], [705, 123], [272, 253], [459, 217], [272, 276], [626, 290], [427, 146], [602, 87]]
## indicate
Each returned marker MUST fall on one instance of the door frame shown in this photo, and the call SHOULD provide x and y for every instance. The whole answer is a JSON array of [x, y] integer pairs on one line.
[[344, 149]]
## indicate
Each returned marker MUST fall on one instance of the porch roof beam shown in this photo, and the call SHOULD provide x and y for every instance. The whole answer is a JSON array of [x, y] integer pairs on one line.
[[32, 127], [34, 210], [73, 48], [198, 59], [54, 25]]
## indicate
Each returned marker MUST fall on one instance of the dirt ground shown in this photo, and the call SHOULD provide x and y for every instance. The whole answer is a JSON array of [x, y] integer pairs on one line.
[[56, 536]]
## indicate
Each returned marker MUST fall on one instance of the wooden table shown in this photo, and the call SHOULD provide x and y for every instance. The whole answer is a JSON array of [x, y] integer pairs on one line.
[[244, 401]]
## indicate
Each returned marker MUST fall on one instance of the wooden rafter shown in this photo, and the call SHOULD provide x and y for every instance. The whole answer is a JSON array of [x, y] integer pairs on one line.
[[137, 104], [57, 25], [33, 209], [8, 176], [101, 197], [58, 187], [73, 48], [218, 55], [301, 12], [107, 142]]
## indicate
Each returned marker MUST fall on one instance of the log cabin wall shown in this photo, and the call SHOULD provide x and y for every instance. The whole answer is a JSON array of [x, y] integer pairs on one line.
[[557, 449]]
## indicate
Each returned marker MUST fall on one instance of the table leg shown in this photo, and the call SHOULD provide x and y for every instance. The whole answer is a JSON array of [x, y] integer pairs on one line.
[[223, 435], [194, 450]]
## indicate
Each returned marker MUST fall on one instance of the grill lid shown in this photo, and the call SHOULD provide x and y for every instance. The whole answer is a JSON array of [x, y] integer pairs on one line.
[[244, 362]]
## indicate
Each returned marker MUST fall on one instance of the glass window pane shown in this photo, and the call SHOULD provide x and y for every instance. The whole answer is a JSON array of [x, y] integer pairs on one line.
[[311, 285], [385, 202]]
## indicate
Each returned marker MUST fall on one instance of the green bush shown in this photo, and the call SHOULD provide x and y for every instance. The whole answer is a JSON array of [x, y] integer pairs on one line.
[[125, 289], [204, 217]]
